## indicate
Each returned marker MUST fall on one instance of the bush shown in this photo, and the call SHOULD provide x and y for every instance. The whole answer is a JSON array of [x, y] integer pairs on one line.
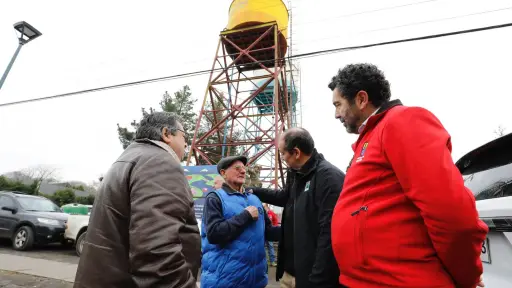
[[63, 197], [89, 200], [10, 185]]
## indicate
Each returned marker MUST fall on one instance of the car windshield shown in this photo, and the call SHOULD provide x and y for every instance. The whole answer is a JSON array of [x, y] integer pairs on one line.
[[38, 204]]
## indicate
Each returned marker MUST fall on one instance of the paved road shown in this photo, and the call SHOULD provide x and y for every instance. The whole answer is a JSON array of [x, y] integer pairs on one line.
[[53, 252], [52, 261]]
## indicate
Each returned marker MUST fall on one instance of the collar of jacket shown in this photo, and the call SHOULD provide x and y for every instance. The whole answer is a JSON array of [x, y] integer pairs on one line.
[[311, 164], [372, 121], [360, 129], [161, 145], [230, 190]]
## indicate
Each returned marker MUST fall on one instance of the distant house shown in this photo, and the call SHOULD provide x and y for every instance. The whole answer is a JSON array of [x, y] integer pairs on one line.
[[50, 189]]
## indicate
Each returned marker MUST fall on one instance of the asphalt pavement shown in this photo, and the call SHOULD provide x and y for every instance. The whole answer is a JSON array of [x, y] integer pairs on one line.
[[54, 252], [48, 266]]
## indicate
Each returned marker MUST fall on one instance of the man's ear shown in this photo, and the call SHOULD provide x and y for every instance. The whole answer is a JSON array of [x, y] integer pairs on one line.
[[297, 153], [361, 100], [165, 136]]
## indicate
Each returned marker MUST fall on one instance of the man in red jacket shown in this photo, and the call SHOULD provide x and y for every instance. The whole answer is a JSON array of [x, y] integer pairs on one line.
[[404, 217]]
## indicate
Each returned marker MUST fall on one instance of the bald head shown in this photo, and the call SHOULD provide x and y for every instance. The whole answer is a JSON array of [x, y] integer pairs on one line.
[[298, 138]]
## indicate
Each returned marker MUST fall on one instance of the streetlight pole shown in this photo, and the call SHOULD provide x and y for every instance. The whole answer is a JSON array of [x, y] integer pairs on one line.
[[10, 65], [27, 34]]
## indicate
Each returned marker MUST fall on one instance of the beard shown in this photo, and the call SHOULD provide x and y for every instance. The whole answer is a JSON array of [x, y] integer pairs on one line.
[[350, 123]]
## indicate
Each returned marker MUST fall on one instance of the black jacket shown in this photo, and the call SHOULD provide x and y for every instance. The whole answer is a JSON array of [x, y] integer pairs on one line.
[[315, 265]]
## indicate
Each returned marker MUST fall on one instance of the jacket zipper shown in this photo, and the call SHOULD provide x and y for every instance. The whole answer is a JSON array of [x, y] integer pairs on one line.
[[362, 208]]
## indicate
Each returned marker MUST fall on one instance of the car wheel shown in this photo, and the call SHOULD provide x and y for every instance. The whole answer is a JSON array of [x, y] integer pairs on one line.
[[23, 239], [80, 244]]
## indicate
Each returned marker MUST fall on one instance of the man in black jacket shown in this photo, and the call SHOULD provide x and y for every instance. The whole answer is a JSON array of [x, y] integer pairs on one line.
[[313, 185]]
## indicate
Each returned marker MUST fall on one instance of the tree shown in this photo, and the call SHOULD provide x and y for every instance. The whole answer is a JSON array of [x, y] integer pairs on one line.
[[181, 103], [94, 186], [500, 131], [40, 174], [126, 136], [63, 197], [252, 178], [85, 200], [211, 116], [18, 186]]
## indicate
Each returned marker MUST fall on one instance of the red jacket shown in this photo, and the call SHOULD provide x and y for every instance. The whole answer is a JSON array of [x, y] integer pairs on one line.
[[404, 217], [273, 217]]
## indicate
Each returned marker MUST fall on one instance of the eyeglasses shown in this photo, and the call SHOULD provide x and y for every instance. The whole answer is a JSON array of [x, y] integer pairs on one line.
[[184, 134]]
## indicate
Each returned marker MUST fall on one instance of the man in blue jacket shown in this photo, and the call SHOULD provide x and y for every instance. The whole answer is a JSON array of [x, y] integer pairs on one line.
[[234, 230]]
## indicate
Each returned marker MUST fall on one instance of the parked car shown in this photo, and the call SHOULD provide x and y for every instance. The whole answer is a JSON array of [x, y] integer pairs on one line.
[[89, 209], [487, 171], [76, 230], [29, 220], [75, 208]]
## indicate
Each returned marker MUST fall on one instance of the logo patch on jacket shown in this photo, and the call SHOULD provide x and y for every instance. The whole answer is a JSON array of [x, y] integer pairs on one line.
[[307, 186], [361, 155]]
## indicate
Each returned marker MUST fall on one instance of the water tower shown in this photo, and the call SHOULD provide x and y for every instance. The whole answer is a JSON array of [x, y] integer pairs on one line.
[[251, 95]]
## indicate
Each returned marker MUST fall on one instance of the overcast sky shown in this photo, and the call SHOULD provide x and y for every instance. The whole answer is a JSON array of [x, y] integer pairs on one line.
[[462, 79]]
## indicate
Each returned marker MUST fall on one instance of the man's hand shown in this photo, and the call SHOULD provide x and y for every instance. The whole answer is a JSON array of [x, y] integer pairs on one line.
[[254, 212]]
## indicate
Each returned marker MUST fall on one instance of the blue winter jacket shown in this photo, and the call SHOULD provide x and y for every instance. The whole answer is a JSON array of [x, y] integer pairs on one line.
[[241, 262]]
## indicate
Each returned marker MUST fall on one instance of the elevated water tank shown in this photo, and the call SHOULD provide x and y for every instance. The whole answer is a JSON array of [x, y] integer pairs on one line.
[[266, 97], [250, 13]]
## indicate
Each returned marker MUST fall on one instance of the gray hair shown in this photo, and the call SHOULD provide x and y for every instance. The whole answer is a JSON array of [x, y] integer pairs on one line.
[[151, 125]]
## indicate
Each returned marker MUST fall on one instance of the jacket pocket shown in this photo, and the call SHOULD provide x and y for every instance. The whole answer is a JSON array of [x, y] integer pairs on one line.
[[359, 230]]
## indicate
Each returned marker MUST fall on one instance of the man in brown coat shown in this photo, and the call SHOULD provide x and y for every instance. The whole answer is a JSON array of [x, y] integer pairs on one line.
[[142, 231]]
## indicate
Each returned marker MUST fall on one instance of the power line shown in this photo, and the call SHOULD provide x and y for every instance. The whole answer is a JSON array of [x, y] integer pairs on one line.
[[441, 19], [367, 12], [296, 56], [407, 25], [322, 20]]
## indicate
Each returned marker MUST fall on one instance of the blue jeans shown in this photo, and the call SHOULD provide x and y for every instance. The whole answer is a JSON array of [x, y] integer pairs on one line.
[[271, 253]]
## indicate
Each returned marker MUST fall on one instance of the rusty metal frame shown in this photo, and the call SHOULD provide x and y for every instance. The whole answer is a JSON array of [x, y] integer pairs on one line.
[[237, 108]]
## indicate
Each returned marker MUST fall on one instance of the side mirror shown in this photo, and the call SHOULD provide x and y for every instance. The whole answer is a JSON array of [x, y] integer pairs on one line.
[[11, 209]]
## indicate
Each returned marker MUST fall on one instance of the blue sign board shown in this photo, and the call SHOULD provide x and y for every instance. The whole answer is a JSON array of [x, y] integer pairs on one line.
[[200, 179]]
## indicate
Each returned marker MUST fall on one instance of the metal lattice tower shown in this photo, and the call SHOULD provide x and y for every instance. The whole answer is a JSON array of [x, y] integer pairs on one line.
[[251, 98]]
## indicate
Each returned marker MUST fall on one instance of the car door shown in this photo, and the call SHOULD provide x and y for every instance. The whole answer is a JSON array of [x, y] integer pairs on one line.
[[7, 218], [487, 172]]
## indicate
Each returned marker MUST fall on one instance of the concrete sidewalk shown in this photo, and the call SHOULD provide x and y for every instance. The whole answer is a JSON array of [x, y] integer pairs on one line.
[[38, 267], [53, 269]]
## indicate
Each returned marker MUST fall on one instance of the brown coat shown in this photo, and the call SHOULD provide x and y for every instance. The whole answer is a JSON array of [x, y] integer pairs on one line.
[[142, 231]]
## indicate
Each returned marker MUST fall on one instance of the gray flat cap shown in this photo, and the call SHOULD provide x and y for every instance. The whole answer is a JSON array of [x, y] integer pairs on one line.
[[226, 162]]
